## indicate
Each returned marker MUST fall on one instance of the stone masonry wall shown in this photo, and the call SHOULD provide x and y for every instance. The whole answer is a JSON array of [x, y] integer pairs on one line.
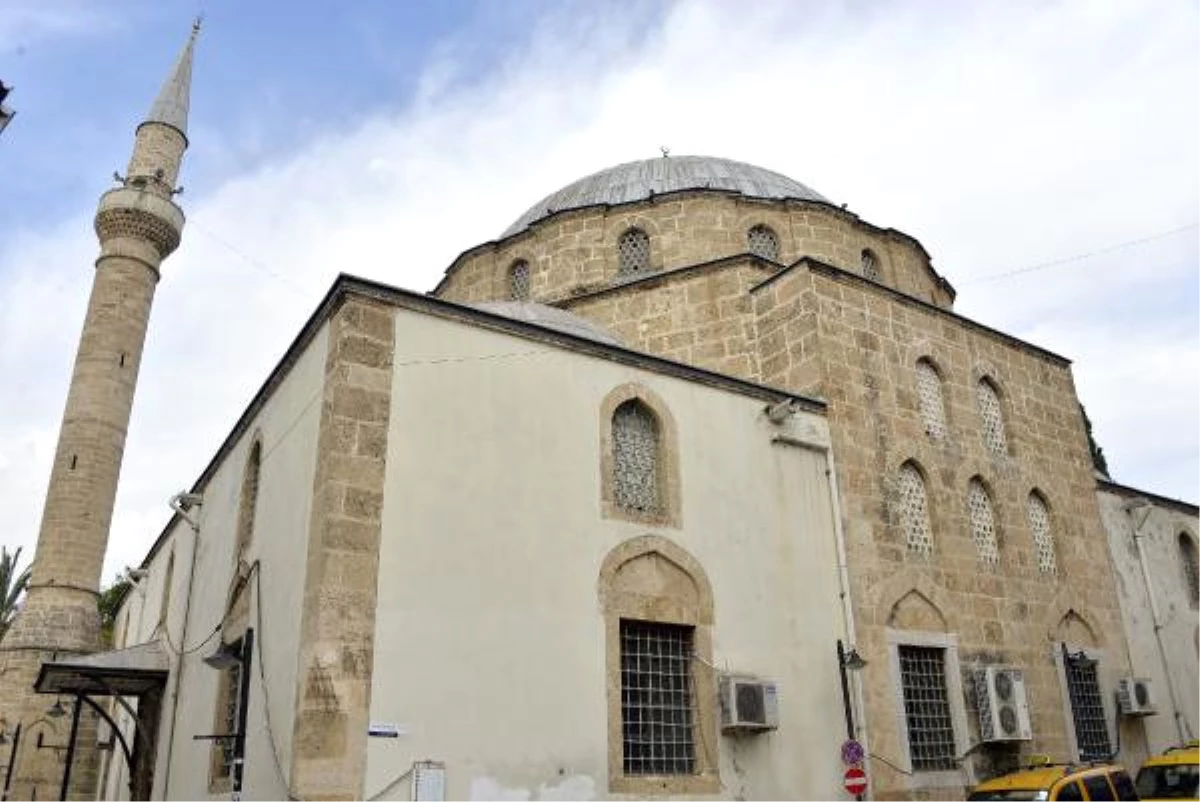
[[702, 317], [575, 252], [338, 618], [867, 343]]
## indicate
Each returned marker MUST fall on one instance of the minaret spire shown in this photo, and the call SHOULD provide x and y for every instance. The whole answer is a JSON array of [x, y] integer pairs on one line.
[[171, 105], [138, 225]]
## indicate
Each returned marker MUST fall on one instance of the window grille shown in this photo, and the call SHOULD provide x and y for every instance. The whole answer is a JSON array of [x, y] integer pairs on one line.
[[927, 708], [229, 718], [870, 266], [929, 398], [518, 281], [762, 242], [633, 252], [914, 511], [983, 523], [656, 698], [1191, 572], [1087, 708], [993, 421], [635, 458], [1043, 537]]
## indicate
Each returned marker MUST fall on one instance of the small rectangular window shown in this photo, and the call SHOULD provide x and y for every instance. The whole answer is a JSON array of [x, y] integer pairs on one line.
[[1087, 708], [927, 708], [656, 698]]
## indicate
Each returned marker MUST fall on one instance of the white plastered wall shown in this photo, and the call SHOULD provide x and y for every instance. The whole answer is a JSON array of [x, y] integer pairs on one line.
[[1158, 527], [490, 641], [288, 427]]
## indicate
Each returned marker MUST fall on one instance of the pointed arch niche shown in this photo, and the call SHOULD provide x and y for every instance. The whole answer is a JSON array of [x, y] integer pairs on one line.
[[649, 582], [663, 467]]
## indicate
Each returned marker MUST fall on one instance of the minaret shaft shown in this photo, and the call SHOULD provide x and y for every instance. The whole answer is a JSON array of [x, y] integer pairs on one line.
[[138, 225]]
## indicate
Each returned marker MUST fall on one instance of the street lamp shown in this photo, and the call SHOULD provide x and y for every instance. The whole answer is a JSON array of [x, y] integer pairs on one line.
[[852, 661]]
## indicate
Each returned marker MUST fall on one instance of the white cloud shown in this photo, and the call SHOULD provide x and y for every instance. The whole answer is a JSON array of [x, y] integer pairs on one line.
[[1000, 135]]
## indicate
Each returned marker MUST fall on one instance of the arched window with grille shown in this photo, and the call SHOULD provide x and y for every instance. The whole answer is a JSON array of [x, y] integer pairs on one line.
[[930, 399], [518, 281], [983, 522], [761, 241], [1043, 534], [633, 252], [914, 510], [636, 458], [990, 412], [870, 264], [1191, 571]]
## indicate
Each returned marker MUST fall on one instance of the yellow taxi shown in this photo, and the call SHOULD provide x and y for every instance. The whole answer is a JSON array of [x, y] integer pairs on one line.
[[1172, 775], [1066, 782]]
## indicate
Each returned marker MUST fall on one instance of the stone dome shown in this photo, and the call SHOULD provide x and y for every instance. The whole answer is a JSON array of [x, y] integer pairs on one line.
[[549, 317], [639, 180]]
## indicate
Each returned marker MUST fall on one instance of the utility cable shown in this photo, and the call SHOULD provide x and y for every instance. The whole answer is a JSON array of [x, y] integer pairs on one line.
[[262, 677], [1080, 257], [395, 781]]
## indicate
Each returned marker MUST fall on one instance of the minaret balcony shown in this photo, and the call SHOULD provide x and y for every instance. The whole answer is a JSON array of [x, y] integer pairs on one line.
[[140, 214]]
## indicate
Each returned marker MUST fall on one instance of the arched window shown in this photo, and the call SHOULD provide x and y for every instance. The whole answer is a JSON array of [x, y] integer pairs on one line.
[[983, 522], [249, 500], [518, 280], [1043, 535], [165, 605], [1191, 572], [633, 252], [993, 420], [870, 264], [929, 398], [761, 241], [914, 511], [636, 474]]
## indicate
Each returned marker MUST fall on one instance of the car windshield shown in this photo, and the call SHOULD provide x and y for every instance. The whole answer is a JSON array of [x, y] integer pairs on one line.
[[1014, 794], [1168, 782]]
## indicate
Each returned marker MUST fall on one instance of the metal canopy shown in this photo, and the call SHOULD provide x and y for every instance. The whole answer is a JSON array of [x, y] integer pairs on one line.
[[125, 672]]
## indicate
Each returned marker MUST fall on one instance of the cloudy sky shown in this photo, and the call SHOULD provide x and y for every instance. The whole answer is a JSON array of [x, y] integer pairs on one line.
[[1046, 155]]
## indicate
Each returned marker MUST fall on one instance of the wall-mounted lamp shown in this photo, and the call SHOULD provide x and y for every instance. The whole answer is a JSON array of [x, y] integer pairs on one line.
[[225, 657], [779, 412]]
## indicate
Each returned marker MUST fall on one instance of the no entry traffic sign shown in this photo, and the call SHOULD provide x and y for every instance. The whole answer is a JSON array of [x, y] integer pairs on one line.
[[855, 781]]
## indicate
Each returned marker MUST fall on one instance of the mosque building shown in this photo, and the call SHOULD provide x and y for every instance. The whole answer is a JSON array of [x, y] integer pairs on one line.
[[687, 479]]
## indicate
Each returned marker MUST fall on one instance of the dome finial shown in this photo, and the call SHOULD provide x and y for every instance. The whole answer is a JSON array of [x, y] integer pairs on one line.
[[666, 151]]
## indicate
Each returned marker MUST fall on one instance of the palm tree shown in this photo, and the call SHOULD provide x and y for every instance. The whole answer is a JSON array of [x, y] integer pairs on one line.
[[12, 585]]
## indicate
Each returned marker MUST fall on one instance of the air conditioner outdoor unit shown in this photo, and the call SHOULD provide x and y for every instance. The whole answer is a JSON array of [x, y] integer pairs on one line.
[[748, 704], [1003, 709], [1134, 697]]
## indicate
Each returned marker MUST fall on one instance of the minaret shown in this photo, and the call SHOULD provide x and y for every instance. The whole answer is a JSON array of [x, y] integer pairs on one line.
[[138, 225]]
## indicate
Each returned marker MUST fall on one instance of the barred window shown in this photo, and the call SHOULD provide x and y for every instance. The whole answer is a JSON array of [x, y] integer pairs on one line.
[[927, 708], [1043, 535], [227, 717], [983, 523], [1087, 707], [993, 420], [518, 280], [914, 511], [1191, 572], [633, 252], [656, 698], [762, 242], [636, 458], [870, 265], [929, 398]]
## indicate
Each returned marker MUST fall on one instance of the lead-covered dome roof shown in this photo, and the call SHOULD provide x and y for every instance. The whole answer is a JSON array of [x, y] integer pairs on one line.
[[550, 317], [639, 180]]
